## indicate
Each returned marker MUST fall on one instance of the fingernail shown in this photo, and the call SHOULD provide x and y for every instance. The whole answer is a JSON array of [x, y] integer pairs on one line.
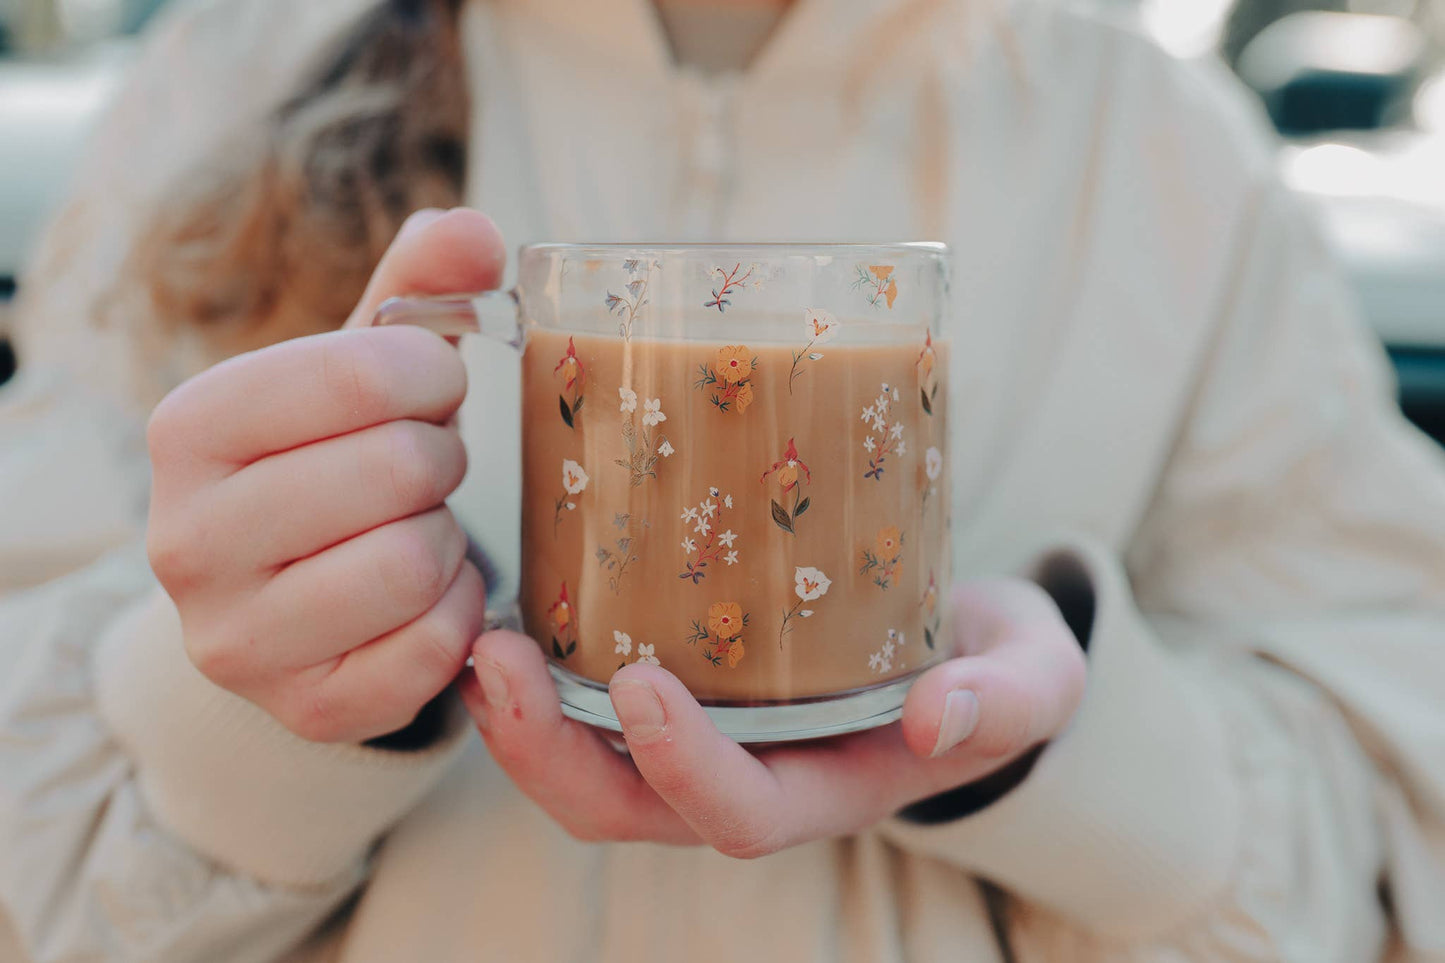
[[960, 718], [494, 684], [638, 708], [419, 219]]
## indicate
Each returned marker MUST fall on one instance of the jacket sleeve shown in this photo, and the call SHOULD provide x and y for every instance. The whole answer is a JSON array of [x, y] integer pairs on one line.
[[1258, 767], [144, 813]]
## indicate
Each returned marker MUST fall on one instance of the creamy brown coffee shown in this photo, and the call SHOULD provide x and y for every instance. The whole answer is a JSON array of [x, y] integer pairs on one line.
[[769, 522]]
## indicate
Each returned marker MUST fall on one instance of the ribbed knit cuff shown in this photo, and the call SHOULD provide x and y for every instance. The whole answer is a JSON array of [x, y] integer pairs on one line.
[[1131, 815], [234, 784]]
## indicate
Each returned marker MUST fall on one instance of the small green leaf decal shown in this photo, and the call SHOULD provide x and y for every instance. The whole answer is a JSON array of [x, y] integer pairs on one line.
[[923, 395], [572, 647], [802, 507], [566, 412], [928, 637], [557, 649], [780, 515], [576, 406]]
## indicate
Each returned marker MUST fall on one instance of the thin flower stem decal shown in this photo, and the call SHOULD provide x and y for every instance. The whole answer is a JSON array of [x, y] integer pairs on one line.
[[810, 584], [713, 543], [629, 304], [730, 378], [619, 558], [889, 440], [564, 624], [821, 327], [570, 367], [574, 482], [787, 470], [722, 632], [730, 281], [884, 560], [877, 283], [644, 448]]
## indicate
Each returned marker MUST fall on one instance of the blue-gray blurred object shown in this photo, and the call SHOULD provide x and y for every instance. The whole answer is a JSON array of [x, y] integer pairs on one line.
[[1322, 71]]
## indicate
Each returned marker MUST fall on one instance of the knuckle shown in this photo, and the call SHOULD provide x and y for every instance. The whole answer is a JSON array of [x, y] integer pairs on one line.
[[316, 716], [438, 647], [413, 470], [226, 664], [173, 556], [413, 571]]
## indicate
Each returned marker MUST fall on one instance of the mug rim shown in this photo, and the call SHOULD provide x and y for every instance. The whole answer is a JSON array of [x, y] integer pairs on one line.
[[773, 248]]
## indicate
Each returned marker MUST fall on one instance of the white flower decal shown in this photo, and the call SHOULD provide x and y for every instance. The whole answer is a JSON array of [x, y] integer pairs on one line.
[[629, 399], [933, 463], [645, 654], [665, 449], [727, 537], [810, 583], [624, 642], [731, 558], [822, 326], [688, 545], [652, 412], [574, 477]]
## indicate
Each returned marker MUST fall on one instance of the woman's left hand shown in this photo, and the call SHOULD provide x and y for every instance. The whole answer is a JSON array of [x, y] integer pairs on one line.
[[1015, 683]]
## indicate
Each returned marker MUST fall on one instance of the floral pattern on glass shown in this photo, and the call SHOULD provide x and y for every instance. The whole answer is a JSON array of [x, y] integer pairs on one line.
[[728, 282], [927, 383], [821, 327], [728, 380], [877, 283], [623, 647], [708, 542], [931, 619], [932, 468], [881, 661], [574, 483], [809, 584], [644, 446], [887, 426], [564, 625], [630, 303], [721, 633], [883, 560], [573, 375], [791, 472], [617, 559]]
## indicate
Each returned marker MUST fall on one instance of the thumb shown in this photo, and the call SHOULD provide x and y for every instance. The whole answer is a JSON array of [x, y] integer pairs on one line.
[[435, 252], [1019, 686]]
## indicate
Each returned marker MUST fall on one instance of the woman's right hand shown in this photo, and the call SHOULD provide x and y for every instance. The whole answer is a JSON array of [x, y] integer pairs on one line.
[[298, 515]]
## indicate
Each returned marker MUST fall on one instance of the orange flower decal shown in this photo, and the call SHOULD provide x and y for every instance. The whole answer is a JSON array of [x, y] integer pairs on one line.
[[787, 469], [560, 611], [729, 377], [570, 367], [722, 633], [725, 619], [877, 283], [564, 640], [744, 397], [884, 560], [734, 363]]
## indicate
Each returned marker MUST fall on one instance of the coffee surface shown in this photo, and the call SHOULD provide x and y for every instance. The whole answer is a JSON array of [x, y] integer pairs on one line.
[[768, 522]]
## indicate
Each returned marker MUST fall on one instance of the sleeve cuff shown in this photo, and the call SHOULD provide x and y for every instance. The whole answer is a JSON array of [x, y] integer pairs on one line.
[[233, 783], [1134, 812]]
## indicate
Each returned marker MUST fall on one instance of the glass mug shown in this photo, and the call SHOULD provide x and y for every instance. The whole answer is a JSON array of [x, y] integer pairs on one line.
[[734, 466]]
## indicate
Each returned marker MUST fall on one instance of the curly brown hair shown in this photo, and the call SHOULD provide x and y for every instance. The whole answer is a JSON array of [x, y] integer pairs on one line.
[[276, 235]]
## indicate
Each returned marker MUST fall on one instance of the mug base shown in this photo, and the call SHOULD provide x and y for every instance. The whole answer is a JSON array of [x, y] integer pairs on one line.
[[815, 718]]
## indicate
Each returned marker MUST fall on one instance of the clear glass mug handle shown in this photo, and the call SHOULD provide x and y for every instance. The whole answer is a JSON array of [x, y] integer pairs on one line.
[[494, 314]]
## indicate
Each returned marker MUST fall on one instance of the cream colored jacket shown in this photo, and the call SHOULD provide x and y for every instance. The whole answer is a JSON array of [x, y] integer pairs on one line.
[[1156, 368]]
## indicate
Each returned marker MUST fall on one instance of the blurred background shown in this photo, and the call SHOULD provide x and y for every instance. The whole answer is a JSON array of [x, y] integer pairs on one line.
[[1355, 88]]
